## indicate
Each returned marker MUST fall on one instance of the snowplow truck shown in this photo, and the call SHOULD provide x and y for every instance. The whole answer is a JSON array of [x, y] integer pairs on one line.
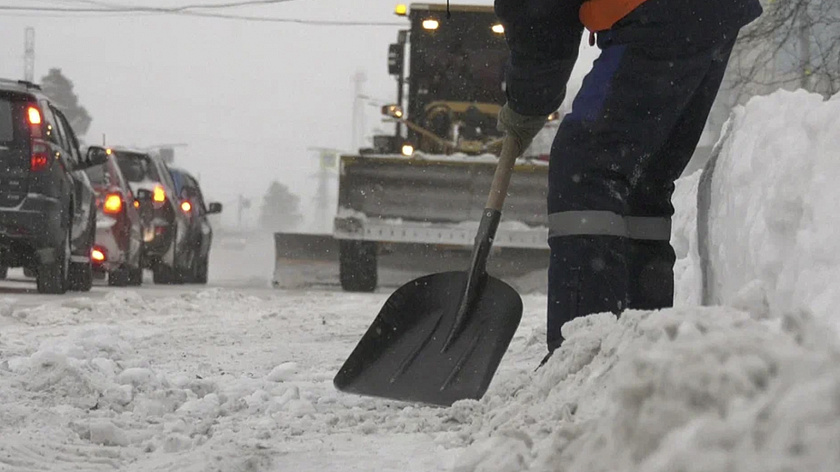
[[412, 201]]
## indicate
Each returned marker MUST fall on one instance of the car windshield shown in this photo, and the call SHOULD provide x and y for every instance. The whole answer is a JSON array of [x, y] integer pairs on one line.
[[461, 61], [177, 179], [137, 167]]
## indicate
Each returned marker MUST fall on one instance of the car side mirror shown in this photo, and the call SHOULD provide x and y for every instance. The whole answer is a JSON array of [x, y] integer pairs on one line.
[[214, 208], [96, 155]]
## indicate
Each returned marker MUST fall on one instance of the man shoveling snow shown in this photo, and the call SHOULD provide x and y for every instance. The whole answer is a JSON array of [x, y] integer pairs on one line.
[[634, 126]]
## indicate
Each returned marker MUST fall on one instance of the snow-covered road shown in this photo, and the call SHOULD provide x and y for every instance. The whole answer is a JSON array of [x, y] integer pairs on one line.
[[179, 378]]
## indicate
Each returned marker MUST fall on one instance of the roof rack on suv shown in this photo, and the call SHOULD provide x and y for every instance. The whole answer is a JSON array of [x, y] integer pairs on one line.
[[25, 83]]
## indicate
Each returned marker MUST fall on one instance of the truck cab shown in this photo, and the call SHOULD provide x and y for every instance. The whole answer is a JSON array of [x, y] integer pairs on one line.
[[423, 191]]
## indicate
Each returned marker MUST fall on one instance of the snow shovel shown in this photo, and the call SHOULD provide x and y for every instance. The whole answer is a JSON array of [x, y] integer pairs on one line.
[[440, 338]]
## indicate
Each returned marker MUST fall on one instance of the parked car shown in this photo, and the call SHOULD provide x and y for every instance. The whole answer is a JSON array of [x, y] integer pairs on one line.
[[199, 232], [118, 249], [47, 212], [165, 238]]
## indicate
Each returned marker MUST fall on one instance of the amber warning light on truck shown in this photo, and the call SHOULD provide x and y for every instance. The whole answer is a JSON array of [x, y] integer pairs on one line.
[[431, 24]]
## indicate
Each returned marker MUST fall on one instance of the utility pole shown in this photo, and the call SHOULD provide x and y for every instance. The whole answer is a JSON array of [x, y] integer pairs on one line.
[[29, 56], [358, 108], [242, 204]]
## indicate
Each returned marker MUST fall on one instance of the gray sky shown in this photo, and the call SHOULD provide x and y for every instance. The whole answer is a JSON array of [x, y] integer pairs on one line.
[[248, 98]]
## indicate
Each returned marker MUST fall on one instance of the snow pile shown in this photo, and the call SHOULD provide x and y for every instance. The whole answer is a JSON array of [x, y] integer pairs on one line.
[[774, 223], [677, 390]]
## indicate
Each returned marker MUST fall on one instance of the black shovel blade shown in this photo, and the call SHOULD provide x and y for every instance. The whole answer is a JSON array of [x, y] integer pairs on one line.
[[400, 356]]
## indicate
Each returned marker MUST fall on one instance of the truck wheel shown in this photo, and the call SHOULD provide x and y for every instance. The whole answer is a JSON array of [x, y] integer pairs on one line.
[[357, 265], [4, 272], [52, 277]]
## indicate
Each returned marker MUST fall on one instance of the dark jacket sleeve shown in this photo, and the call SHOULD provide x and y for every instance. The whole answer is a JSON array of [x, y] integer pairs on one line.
[[544, 38]]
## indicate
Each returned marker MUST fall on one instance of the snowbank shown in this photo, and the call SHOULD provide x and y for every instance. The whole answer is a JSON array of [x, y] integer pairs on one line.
[[678, 390], [773, 220]]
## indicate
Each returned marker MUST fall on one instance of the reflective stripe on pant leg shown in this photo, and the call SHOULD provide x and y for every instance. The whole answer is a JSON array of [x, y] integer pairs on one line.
[[648, 227], [607, 223]]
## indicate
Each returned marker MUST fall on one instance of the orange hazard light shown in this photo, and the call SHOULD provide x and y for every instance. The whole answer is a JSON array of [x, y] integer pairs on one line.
[[159, 195], [113, 203]]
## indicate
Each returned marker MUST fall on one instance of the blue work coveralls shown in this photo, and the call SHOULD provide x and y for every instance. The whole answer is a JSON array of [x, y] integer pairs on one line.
[[633, 127]]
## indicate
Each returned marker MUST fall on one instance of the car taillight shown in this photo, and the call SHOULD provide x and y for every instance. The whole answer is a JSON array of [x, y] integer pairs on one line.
[[40, 158], [159, 195], [186, 206], [97, 254], [34, 116], [113, 203], [35, 122]]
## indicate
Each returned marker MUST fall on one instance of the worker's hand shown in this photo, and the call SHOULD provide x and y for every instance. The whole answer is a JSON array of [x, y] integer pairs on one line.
[[522, 128]]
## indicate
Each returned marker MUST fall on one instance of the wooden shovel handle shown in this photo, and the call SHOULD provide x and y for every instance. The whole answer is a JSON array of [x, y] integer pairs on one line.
[[504, 169]]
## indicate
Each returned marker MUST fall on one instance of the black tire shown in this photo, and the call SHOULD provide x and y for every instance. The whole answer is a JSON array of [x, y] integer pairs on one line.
[[200, 270], [30, 272], [52, 277], [135, 276], [118, 277], [80, 276], [4, 272], [357, 265], [164, 275]]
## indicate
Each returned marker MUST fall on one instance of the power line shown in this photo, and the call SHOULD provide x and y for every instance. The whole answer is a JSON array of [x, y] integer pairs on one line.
[[109, 7], [189, 10], [196, 6], [293, 20]]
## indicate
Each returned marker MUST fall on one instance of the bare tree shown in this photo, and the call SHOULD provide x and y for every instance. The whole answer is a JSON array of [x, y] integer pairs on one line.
[[794, 44]]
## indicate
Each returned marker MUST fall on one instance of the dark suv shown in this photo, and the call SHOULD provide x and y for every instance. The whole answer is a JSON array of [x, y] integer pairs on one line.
[[165, 226], [199, 232], [47, 207]]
